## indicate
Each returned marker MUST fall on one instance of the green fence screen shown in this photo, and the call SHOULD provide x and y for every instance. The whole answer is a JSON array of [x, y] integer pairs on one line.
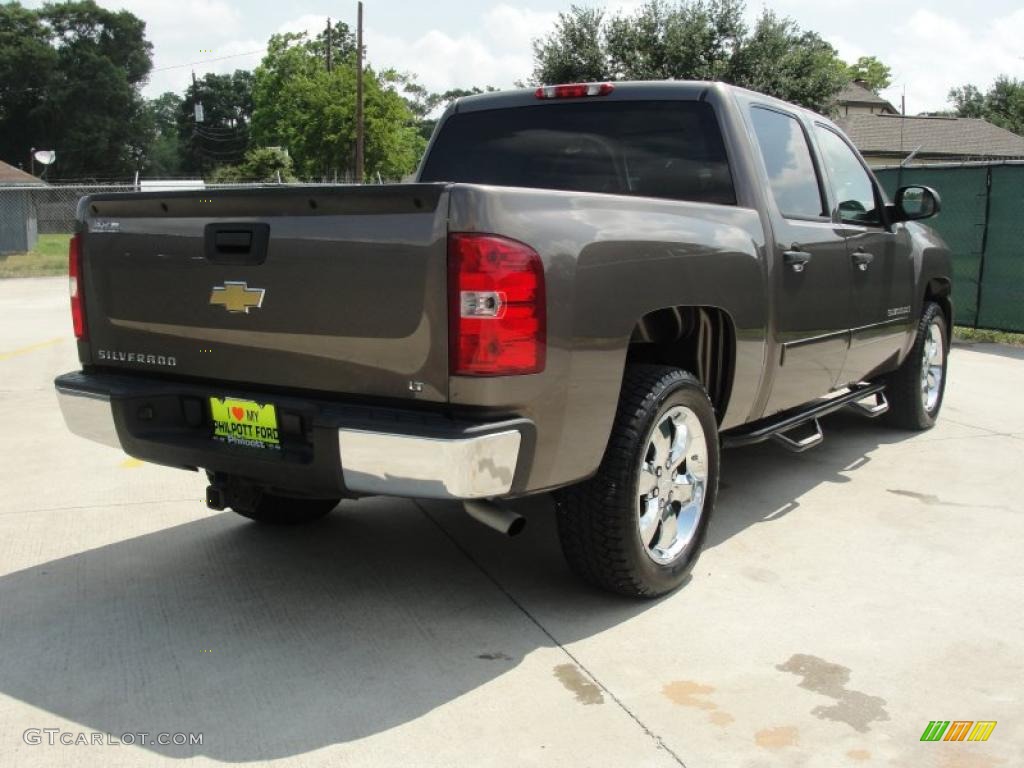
[[982, 221]]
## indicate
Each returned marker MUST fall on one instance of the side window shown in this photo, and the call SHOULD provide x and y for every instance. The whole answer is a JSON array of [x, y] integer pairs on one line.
[[858, 203], [787, 158]]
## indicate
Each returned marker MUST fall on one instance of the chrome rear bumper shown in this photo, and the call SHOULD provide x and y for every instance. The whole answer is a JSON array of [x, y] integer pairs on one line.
[[429, 467], [88, 415], [378, 451]]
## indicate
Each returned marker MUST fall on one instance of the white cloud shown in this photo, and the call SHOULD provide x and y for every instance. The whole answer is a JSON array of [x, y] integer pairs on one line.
[[937, 53], [184, 20], [191, 30], [848, 50], [498, 53], [310, 23], [514, 28], [442, 62]]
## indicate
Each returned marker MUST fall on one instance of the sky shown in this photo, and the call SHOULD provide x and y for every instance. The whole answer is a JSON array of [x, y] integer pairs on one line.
[[930, 47]]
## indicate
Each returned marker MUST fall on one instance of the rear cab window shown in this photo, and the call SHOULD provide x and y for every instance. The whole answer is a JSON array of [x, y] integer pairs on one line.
[[666, 149]]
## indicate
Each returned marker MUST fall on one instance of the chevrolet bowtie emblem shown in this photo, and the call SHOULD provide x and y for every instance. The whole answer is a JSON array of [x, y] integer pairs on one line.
[[237, 296]]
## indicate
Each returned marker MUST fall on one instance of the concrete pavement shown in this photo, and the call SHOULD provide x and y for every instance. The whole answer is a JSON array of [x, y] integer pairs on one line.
[[847, 597]]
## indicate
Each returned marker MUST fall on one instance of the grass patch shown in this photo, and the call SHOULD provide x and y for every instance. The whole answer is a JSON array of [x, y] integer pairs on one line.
[[960, 333], [50, 257]]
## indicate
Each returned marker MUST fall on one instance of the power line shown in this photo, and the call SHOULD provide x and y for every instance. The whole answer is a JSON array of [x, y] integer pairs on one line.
[[79, 80], [222, 139], [205, 61], [222, 128], [215, 154]]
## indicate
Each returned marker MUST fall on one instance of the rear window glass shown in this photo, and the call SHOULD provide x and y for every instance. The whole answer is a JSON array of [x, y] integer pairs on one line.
[[669, 149]]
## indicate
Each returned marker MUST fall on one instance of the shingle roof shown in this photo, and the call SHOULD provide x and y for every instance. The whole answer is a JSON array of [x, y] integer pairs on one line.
[[953, 136], [11, 175], [855, 93]]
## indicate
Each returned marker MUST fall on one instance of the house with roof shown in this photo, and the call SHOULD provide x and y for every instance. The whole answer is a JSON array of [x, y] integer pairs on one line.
[[857, 98], [885, 137], [9, 176]]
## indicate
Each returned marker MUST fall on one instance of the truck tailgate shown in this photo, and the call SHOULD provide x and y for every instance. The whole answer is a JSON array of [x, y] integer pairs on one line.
[[336, 289]]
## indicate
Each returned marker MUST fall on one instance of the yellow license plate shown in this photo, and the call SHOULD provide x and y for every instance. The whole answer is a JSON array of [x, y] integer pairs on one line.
[[245, 422]]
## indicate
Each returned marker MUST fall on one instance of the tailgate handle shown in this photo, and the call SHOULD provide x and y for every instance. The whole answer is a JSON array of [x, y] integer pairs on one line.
[[228, 243], [234, 242]]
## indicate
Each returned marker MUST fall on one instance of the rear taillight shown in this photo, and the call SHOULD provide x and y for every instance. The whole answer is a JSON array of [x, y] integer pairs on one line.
[[573, 91], [497, 315], [76, 286]]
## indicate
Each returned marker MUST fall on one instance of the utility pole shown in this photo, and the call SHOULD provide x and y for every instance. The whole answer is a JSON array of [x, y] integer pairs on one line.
[[328, 43], [359, 95]]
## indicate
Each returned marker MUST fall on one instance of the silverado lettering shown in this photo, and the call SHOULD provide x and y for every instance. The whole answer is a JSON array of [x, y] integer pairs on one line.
[[135, 357]]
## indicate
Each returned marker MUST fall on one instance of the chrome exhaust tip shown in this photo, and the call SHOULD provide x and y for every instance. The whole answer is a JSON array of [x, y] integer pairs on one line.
[[500, 518]]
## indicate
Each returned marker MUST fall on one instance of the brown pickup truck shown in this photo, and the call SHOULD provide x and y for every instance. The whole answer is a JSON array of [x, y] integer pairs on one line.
[[589, 290]]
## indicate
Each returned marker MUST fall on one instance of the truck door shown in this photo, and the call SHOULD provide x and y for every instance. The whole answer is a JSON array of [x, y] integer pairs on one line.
[[880, 262], [810, 271]]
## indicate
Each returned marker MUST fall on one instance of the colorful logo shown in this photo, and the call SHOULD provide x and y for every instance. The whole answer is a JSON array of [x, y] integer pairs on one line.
[[958, 730]]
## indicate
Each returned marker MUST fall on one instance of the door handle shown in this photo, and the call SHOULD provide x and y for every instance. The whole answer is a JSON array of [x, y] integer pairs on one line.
[[796, 259], [863, 259]]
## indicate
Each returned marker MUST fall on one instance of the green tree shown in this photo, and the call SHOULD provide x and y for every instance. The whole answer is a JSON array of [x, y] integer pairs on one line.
[[660, 40], [692, 40], [164, 152], [82, 98], [343, 44], [968, 101], [263, 164], [27, 62], [299, 105], [425, 104], [1002, 104], [223, 136], [780, 59], [872, 72], [574, 51]]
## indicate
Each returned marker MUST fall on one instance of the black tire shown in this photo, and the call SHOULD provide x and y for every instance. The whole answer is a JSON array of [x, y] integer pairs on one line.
[[903, 387], [598, 519], [282, 510]]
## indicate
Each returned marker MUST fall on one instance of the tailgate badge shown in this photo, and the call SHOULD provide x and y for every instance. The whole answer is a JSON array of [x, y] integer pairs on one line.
[[237, 296]]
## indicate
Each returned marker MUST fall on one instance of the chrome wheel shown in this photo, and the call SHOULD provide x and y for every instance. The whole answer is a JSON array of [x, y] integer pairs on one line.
[[931, 367], [673, 478]]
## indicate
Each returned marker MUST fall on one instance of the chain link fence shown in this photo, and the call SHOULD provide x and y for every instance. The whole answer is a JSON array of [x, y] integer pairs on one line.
[[981, 221], [28, 211]]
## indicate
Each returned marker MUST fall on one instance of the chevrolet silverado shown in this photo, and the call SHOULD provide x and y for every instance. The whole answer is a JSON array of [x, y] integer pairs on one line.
[[588, 290]]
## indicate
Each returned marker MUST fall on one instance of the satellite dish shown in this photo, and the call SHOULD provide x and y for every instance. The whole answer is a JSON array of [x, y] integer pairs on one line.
[[45, 156]]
